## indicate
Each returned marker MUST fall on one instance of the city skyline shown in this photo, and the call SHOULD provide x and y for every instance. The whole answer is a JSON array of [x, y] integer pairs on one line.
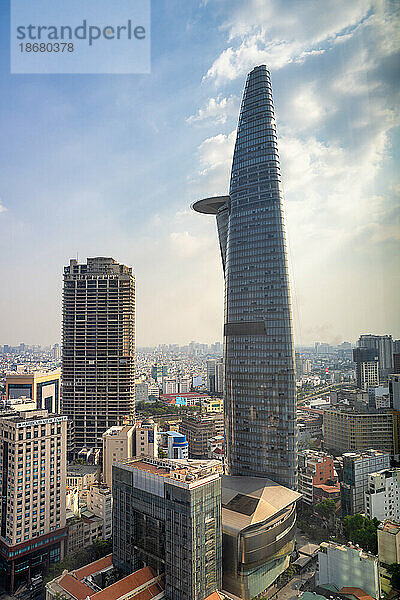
[[100, 194]]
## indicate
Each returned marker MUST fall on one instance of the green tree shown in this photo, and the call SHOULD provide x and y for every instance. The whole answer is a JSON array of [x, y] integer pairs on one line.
[[326, 509], [361, 530], [394, 570]]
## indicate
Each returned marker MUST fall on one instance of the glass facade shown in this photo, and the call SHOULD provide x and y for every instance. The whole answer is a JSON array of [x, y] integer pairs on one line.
[[260, 394], [172, 528]]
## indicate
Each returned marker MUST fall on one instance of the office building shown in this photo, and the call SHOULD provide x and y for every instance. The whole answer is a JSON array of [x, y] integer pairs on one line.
[[167, 515], [119, 442], [367, 367], [382, 497], [346, 430], [33, 483], [146, 438], [83, 530], [394, 391], [389, 542], [99, 502], [169, 385], [98, 361], [383, 345], [41, 387], [356, 468], [259, 374], [198, 429], [215, 374], [345, 568], [258, 525], [315, 468]]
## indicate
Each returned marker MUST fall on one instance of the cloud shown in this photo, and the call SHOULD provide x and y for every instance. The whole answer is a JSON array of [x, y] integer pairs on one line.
[[279, 33], [215, 157], [216, 111], [186, 245]]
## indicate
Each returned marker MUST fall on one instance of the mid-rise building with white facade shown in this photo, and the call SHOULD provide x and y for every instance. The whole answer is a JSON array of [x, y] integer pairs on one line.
[[382, 497], [99, 502], [146, 440], [348, 567], [118, 444]]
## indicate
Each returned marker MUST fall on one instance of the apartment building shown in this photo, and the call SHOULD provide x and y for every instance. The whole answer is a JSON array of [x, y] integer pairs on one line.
[[382, 497], [33, 483], [356, 469]]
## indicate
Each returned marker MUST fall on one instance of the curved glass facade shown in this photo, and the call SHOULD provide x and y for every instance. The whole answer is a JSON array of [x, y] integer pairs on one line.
[[260, 400]]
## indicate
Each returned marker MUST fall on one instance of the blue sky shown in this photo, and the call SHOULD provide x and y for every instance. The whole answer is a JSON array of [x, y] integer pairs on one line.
[[109, 165]]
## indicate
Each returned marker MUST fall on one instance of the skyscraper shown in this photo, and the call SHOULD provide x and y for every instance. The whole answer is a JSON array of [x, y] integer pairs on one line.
[[260, 406], [98, 355]]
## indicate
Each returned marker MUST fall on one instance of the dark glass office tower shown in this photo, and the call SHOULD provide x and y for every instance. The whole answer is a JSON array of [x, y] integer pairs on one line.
[[260, 400]]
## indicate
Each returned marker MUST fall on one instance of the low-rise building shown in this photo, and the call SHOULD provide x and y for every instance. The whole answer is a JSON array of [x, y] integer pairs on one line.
[[216, 447], [174, 444], [83, 531], [87, 583], [382, 497], [347, 567], [80, 477], [212, 405], [314, 469]]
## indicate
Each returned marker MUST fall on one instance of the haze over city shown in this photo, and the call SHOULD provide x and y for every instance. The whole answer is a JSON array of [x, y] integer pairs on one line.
[[109, 166]]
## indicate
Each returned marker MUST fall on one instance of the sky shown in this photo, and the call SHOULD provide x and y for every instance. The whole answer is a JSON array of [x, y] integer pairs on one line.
[[109, 165]]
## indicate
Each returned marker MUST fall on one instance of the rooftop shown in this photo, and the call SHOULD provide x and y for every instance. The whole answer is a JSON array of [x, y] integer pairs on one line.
[[188, 470], [390, 527], [131, 582], [250, 500], [94, 567]]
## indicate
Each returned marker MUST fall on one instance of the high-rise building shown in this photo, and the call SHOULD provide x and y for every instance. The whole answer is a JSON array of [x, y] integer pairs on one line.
[[260, 393], [98, 355], [367, 367], [356, 468], [167, 515], [383, 344], [382, 498], [32, 483], [42, 387]]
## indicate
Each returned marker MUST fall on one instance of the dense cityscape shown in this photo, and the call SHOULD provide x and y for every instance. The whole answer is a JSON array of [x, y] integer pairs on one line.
[[243, 469], [221, 177]]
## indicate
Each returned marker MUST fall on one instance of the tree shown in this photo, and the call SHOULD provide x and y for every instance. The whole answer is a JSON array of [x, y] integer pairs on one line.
[[394, 570], [361, 530], [326, 509]]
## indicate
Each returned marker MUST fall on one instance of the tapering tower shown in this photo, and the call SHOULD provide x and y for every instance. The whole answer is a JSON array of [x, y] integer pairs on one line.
[[260, 391]]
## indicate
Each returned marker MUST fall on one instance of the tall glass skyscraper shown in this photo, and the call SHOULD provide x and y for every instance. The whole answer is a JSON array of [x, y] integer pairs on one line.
[[260, 392]]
